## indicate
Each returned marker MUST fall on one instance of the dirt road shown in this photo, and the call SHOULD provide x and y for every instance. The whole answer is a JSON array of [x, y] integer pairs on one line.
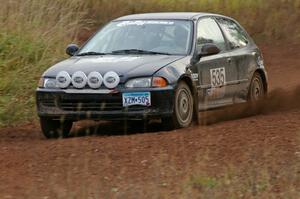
[[257, 156]]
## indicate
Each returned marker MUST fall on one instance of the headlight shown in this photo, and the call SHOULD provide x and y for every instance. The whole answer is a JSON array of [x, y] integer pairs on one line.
[[47, 83], [146, 82], [139, 83]]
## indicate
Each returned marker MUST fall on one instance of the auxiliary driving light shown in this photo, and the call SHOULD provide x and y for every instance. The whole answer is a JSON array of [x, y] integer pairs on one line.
[[63, 79]]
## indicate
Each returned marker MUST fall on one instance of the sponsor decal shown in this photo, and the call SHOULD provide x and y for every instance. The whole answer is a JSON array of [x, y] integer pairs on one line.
[[79, 79], [143, 22], [63, 79], [195, 76], [111, 79], [95, 80]]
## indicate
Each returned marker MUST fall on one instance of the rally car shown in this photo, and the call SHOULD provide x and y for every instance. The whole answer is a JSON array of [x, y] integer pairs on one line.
[[163, 66]]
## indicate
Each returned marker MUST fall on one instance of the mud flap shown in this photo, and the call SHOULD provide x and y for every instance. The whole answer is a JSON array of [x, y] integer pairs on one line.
[[196, 106]]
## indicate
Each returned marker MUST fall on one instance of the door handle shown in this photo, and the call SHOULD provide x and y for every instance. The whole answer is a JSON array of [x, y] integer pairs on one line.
[[229, 60]]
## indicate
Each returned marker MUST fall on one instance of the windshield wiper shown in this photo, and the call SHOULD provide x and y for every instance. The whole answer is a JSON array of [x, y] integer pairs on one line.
[[90, 53], [138, 51]]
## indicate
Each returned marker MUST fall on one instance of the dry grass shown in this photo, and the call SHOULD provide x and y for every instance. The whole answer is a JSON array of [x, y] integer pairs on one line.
[[33, 36], [264, 19], [247, 182]]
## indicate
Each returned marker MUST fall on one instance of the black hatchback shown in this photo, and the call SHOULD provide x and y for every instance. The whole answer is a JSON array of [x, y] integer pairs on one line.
[[166, 66]]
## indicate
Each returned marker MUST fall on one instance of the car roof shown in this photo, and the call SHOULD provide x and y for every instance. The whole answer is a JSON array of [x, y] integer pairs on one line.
[[166, 15]]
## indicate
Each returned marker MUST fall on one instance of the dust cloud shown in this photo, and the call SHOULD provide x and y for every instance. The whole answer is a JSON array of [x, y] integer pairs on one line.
[[276, 100]]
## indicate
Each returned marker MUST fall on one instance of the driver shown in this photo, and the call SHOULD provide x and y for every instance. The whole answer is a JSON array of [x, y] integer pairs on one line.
[[180, 37]]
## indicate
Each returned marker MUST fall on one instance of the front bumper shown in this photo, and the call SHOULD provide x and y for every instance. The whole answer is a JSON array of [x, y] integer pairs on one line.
[[105, 104]]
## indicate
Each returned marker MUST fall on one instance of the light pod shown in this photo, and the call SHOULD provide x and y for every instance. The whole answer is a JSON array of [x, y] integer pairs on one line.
[[111, 79], [95, 80], [63, 79], [79, 79]]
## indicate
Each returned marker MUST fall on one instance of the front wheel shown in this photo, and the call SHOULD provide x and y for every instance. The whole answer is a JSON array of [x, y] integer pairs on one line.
[[55, 128], [183, 108]]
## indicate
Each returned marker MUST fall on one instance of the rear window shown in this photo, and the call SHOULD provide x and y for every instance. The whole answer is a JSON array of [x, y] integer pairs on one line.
[[234, 33]]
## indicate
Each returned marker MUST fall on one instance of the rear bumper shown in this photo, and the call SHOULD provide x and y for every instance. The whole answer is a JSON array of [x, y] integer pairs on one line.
[[89, 104]]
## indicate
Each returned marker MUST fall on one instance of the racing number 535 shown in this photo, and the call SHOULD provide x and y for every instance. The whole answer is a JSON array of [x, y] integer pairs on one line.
[[217, 76]]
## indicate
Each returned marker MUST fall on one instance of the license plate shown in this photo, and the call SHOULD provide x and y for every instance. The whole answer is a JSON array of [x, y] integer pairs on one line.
[[137, 98]]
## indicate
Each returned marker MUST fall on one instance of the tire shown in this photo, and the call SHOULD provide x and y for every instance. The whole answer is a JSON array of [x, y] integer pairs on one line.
[[256, 89], [183, 108], [55, 128]]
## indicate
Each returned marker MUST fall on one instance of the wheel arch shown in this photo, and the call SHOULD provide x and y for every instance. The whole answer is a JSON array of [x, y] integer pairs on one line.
[[264, 78], [188, 81]]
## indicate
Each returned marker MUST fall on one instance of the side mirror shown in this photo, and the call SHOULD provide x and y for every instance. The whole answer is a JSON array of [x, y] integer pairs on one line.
[[206, 50], [72, 49], [209, 49]]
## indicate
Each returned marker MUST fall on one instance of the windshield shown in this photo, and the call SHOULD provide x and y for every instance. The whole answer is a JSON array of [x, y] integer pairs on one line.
[[142, 36]]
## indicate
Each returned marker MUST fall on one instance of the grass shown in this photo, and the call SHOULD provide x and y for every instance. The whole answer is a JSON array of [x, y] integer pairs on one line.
[[244, 183], [34, 34], [33, 37], [201, 182]]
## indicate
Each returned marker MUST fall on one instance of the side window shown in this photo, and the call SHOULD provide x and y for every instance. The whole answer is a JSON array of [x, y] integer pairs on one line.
[[208, 31], [234, 33]]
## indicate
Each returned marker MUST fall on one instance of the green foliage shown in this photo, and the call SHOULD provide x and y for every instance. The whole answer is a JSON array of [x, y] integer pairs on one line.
[[255, 179], [231, 185], [200, 182], [33, 37], [18, 76]]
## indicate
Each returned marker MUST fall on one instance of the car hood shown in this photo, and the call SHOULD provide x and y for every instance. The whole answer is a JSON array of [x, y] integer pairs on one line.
[[125, 66]]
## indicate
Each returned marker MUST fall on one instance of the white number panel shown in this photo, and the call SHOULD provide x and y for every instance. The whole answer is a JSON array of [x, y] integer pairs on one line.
[[217, 77], [218, 82]]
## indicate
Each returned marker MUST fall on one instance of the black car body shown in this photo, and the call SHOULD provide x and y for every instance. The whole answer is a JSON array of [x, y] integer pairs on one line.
[[220, 65]]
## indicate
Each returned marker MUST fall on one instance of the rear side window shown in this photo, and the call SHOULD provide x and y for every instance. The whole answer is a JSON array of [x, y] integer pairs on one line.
[[234, 33], [208, 31]]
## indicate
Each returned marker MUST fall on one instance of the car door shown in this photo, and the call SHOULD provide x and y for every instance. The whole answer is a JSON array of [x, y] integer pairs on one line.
[[216, 73], [243, 54]]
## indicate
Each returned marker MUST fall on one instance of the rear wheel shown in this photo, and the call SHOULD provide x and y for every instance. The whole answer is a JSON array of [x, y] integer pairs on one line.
[[183, 108], [256, 90], [55, 128]]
